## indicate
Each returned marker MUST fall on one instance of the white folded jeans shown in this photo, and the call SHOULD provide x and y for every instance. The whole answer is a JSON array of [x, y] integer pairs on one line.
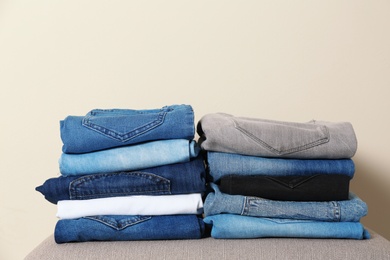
[[131, 205]]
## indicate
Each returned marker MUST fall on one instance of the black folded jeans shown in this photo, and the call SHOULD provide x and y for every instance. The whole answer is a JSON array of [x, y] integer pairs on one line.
[[319, 187]]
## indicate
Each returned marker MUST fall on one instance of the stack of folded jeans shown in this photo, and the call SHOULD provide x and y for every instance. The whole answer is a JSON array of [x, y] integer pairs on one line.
[[128, 175], [280, 179]]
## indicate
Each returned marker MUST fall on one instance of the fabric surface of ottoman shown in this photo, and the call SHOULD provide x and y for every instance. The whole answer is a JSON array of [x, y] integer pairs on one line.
[[377, 248]]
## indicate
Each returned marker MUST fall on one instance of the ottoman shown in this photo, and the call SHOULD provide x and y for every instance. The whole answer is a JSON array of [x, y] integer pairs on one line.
[[377, 248]]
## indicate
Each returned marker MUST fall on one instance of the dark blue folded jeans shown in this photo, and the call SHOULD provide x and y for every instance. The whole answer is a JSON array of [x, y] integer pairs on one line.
[[179, 178], [125, 228], [103, 129]]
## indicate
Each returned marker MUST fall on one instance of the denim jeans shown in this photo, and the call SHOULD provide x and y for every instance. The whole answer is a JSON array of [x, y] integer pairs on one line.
[[132, 205], [351, 210], [236, 226], [178, 178], [129, 158], [124, 228], [269, 138], [222, 164], [319, 187], [104, 129]]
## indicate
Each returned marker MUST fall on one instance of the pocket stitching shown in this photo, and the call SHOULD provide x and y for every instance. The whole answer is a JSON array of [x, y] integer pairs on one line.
[[114, 224], [304, 179], [74, 185], [124, 137], [262, 143]]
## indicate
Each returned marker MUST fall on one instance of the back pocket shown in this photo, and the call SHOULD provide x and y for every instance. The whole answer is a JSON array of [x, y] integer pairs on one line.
[[118, 184], [282, 137], [119, 222], [124, 125]]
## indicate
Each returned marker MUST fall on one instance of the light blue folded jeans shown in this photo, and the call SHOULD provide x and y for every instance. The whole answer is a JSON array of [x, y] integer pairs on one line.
[[236, 226], [223, 164], [351, 210], [129, 158]]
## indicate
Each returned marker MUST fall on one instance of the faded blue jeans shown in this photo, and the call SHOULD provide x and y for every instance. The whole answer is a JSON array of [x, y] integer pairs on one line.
[[351, 210], [178, 178], [270, 138], [236, 226], [125, 228], [223, 164], [103, 129], [129, 158]]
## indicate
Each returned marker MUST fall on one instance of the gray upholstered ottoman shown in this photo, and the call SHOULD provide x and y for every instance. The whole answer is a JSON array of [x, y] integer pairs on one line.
[[209, 248]]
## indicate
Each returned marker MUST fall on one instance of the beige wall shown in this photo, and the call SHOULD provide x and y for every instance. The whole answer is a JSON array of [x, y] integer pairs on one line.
[[283, 60]]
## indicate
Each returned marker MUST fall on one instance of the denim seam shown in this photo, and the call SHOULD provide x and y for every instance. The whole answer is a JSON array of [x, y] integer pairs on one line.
[[336, 211], [245, 207], [74, 186], [291, 150], [89, 178], [114, 224], [115, 111], [124, 137], [75, 195], [125, 193], [293, 185], [191, 119]]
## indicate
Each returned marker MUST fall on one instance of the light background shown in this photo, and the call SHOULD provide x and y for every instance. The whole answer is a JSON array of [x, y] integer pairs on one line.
[[283, 60]]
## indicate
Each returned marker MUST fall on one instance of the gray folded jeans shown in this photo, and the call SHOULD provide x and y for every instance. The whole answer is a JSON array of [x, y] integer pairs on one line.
[[221, 132]]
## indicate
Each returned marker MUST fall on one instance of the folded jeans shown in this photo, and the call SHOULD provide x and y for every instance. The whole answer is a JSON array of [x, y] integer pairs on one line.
[[223, 164], [109, 128], [319, 187], [131, 205], [126, 228], [236, 226], [221, 132], [129, 158], [178, 178], [350, 210]]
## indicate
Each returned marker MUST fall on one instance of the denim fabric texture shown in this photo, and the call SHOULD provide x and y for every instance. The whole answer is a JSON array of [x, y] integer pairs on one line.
[[129, 158], [319, 187], [108, 128], [236, 226], [125, 228], [132, 205], [223, 164], [269, 138], [350, 210], [179, 178]]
